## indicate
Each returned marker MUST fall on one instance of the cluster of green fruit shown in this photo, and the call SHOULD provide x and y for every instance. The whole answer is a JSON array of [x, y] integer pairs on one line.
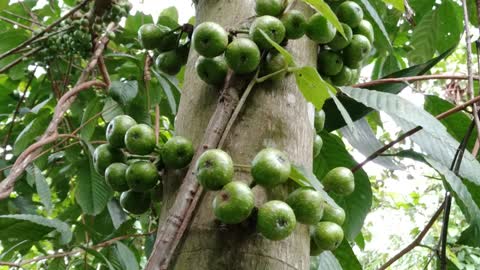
[[131, 161], [340, 55], [74, 36], [165, 38], [275, 219]]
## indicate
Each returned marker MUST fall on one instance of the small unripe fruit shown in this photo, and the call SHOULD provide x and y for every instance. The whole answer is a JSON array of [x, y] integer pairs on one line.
[[328, 235], [329, 63], [333, 214], [274, 62], [339, 42], [169, 62], [358, 49], [210, 39], [344, 77], [307, 204], [142, 175], [135, 202], [340, 181], [350, 13], [317, 145], [177, 152], [270, 7], [242, 56], [270, 167], [150, 34], [115, 175], [214, 169], [234, 203], [365, 28], [212, 70], [275, 220], [140, 139], [271, 26], [117, 128], [295, 24], [104, 155], [319, 29], [319, 121]]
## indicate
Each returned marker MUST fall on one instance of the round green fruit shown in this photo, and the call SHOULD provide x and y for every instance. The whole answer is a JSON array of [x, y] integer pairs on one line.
[[142, 175], [274, 62], [329, 63], [104, 155], [365, 28], [210, 39], [242, 56], [117, 128], [270, 167], [327, 235], [339, 42], [115, 175], [234, 203], [270, 7], [275, 220], [344, 77], [177, 152], [150, 35], [317, 145], [357, 50], [140, 139], [319, 29], [169, 62], [307, 204], [135, 202], [333, 214], [350, 13], [214, 169], [295, 24], [271, 26], [339, 180], [319, 120], [212, 70]]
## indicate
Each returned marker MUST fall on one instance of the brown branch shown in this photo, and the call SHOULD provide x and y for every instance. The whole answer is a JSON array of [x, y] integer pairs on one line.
[[75, 251], [181, 212], [15, 23], [157, 123], [18, 60], [104, 71], [48, 28], [413, 131], [21, 17], [416, 242], [414, 79]]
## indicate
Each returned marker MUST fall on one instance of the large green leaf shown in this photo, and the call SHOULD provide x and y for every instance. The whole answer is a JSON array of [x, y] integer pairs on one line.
[[356, 205], [126, 257], [327, 261], [123, 92], [398, 4], [346, 257], [3, 4], [94, 107], [31, 132], [171, 92], [312, 86], [32, 227], [423, 39], [41, 185], [327, 12], [357, 110]]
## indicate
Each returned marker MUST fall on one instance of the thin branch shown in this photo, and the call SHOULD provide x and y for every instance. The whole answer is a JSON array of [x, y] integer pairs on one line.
[[416, 242], [15, 23], [21, 17], [48, 28], [104, 71], [157, 123], [414, 79], [19, 60], [413, 131]]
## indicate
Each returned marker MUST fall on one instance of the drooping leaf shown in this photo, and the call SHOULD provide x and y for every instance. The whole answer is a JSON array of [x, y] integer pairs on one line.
[[171, 92], [116, 213], [32, 227], [288, 57], [327, 12], [126, 257], [93, 108], [312, 86], [328, 261], [123, 92], [41, 185], [343, 111], [346, 257]]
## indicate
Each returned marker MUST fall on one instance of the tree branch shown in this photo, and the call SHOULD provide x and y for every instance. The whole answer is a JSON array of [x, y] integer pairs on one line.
[[416, 242], [15, 23], [411, 132], [19, 60], [414, 79], [21, 17]]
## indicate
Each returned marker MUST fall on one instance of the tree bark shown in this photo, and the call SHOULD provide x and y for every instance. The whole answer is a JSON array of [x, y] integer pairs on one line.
[[275, 115]]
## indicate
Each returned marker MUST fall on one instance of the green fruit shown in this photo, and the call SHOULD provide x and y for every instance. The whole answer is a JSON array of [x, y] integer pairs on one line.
[[135, 202], [140, 139], [167, 21], [169, 62], [358, 49], [333, 214], [150, 34], [339, 180], [307, 204], [319, 121], [274, 62], [115, 175], [271, 26], [212, 70], [329, 63], [350, 13], [270, 7], [210, 39], [177, 152], [169, 40], [317, 145], [104, 155], [327, 235], [214, 169], [142, 175], [344, 77], [365, 28], [295, 24], [339, 42], [234, 203], [242, 55], [270, 167], [319, 29], [117, 128], [315, 250], [275, 220], [182, 53]]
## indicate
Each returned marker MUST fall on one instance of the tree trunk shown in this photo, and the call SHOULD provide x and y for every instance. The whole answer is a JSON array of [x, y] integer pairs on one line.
[[275, 115]]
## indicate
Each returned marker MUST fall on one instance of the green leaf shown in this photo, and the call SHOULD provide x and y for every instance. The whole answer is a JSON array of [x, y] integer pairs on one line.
[[3, 4], [126, 257], [169, 17], [327, 12], [346, 257], [31, 132], [327, 261], [356, 205], [423, 39], [134, 22], [171, 92], [100, 257], [288, 57], [94, 107], [312, 86], [116, 213], [111, 109], [32, 227], [343, 111], [41, 185], [357, 110], [398, 4], [123, 92], [378, 23], [92, 192], [448, 25]]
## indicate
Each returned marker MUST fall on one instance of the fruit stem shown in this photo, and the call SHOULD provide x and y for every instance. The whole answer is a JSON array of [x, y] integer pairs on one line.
[[253, 184], [268, 76]]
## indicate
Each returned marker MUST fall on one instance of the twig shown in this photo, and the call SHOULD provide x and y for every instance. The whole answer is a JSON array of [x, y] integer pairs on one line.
[[147, 77], [48, 28], [23, 18], [411, 132], [18, 60], [157, 123], [15, 23], [75, 251], [414, 79], [104, 71], [416, 242]]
